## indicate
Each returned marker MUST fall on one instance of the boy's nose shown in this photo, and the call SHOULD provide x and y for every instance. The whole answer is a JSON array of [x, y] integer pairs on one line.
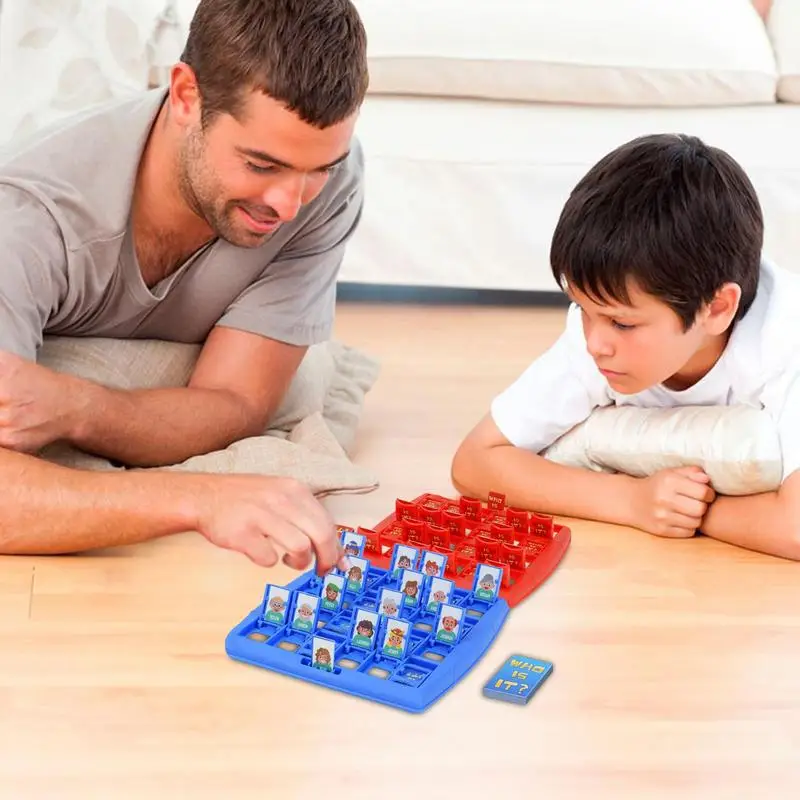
[[598, 346]]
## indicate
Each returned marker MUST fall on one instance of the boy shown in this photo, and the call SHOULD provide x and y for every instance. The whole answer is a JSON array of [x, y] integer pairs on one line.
[[659, 249]]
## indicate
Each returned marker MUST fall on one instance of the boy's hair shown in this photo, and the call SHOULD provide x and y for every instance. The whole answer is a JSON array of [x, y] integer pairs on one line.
[[668, 212], [310, 55]]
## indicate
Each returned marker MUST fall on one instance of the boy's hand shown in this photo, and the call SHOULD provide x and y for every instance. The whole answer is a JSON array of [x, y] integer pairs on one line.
[[672, 502]]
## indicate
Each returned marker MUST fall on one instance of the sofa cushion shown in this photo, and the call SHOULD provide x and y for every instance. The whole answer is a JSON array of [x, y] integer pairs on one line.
[[783, 25], [609, 52]]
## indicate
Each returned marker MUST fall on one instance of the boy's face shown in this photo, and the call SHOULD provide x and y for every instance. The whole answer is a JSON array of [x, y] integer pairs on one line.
[[643, 344]]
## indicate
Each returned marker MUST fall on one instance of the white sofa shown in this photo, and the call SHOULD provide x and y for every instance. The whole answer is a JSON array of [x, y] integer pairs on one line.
[[482, 114]]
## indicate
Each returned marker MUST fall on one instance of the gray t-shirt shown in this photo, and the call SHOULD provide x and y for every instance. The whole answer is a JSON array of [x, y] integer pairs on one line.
[[69, 266]]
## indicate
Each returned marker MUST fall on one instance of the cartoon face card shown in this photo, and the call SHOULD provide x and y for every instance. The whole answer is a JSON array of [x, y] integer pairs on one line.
[[353, 542], [323, 652], [487, 582], [390, 603], [332, 591], [411, 586], [433, 564], [404, 557], [306, 609], [357, 574], [276, 603], [440, 591], [365, 628], [448, 625], [395, 638]]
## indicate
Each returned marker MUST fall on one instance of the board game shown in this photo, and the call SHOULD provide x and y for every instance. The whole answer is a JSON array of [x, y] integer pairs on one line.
[[426, 593]]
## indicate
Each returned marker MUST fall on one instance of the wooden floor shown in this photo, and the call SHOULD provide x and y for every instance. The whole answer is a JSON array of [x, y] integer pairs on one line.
[[677, 663]]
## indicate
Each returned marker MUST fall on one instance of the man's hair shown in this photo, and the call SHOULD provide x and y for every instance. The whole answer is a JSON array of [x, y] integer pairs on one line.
[[669, 213], [309, 55]]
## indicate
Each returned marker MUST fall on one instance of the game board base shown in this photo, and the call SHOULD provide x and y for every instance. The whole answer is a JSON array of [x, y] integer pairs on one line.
[[414, 683]]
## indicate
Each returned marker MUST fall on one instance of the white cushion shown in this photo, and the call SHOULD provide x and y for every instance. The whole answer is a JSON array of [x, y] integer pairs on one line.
[[737, 446], [599, 52], [783, 25]]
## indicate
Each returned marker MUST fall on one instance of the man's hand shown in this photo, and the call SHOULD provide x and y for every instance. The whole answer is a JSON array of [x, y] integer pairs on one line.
[[673, 502], [266, 518], [37, 405]]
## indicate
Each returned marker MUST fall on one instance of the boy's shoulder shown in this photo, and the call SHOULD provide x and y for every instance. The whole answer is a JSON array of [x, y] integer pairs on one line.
[[767, 339]]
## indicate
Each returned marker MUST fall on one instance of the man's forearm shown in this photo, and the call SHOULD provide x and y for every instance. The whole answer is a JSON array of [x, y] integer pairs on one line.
[[532, 482], [157, 427], [761, 522], [49, 509]]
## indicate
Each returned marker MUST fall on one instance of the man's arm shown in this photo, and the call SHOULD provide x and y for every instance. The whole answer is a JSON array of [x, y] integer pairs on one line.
[[48, 509], [486, 461], [768, 522], [237, 385]]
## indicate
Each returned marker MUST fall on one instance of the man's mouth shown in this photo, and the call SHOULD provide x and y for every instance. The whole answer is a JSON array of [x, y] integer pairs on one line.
[[258, 222]]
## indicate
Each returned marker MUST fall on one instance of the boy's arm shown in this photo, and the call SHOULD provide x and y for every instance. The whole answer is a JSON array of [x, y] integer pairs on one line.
[[486, 461], [767, 522]]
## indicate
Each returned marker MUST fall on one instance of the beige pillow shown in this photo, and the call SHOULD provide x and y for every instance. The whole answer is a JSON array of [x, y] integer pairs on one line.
[[310, 437], [737, 446]]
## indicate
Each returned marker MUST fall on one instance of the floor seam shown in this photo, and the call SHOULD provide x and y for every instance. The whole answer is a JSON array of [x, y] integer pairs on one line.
[[30, 597]]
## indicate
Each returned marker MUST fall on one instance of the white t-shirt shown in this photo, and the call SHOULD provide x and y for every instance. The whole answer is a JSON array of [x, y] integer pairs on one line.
[[760, 368]]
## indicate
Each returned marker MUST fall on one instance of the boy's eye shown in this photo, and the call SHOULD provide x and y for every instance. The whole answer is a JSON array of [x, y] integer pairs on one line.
[[621, 326]]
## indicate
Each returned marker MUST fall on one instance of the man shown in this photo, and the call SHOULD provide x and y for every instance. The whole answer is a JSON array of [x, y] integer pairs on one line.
[[214, 211]]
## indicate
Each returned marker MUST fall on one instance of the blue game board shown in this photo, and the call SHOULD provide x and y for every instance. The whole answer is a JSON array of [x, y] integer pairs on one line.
[[330, 630]]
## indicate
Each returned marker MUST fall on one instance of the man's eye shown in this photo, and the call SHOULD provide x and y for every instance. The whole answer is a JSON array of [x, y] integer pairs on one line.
[[258, 169]]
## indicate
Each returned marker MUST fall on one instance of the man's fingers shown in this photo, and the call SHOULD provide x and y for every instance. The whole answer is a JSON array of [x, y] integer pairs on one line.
[[288, 537], [258, 549], [299, 562], [314, 521]]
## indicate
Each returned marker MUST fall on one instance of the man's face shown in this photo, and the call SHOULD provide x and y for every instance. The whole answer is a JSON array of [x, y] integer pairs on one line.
[[643, 344], [247, 176]]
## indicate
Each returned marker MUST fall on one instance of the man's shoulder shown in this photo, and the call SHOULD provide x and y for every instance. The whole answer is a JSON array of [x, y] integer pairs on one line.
[[82, 168]]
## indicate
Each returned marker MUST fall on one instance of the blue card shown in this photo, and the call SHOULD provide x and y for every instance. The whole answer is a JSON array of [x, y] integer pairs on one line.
[[487, 582], [352, 542], [517, 679], [403, 557]]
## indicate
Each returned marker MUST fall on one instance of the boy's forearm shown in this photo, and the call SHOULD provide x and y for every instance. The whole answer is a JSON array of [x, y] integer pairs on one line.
[[532, 482], [763, 522], [158, 427], [49, 509]]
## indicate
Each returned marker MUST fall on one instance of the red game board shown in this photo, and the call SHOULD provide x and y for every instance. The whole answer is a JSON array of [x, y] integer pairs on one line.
[[527, 545]]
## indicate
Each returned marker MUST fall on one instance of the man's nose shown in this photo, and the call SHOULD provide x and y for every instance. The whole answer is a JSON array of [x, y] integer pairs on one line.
[[286, 196]]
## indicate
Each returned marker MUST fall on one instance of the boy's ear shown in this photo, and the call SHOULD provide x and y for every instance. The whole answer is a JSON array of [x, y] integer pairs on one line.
[[722, 309]]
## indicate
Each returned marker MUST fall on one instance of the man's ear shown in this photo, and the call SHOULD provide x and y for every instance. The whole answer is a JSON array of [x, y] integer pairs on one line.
[[722, 309], [184, 96]]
